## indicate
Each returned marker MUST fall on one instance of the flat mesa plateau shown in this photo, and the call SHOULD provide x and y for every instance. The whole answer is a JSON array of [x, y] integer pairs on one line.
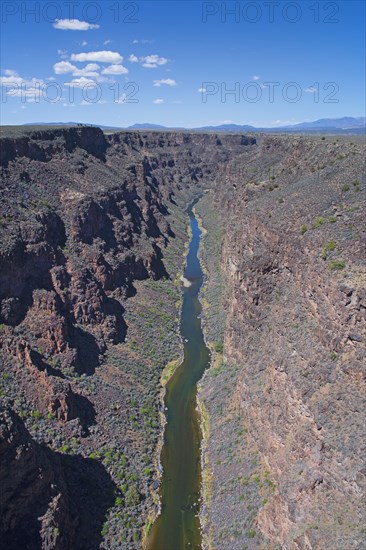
[[93, 242]]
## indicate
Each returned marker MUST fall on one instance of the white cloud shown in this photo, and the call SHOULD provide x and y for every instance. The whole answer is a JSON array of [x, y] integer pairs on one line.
[[102, 56], [16, 85], [148, 61], [255, 77], [167, 81], [202, 90], [84, 43], [79, 82], [311, 90], [158, 101], [153, 61], [115, 69], [10, 72], [63, 67], [73, 25], [106, 42], [89, 70]]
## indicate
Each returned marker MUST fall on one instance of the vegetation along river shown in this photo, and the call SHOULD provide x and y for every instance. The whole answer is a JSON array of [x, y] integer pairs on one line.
[[178, 525]]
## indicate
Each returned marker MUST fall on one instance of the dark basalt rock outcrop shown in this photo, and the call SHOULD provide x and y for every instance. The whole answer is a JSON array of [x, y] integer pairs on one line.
[[43, 504], [85, 218]]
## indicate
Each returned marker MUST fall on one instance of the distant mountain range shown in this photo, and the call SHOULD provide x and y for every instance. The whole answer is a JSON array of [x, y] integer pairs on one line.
[[345, 123], [351, 125]]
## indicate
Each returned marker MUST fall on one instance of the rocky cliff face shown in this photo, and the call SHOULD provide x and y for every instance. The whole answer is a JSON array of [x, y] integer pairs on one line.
[[87, 221], [284, 450]]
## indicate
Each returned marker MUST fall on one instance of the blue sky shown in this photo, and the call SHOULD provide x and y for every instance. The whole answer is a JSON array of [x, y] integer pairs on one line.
[[175, 63]]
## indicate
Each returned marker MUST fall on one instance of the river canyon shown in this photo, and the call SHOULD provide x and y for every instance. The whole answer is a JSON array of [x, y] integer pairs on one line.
[[140, 412]]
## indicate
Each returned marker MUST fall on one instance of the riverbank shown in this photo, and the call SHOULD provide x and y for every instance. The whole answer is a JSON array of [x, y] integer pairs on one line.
[[212, 323], [178, 523]]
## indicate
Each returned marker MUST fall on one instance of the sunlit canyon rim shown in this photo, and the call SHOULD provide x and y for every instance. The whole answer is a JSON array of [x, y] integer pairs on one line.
[[93, 241]]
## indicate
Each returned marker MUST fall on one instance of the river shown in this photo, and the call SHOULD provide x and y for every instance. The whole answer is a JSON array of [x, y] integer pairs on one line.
[[178, 525]]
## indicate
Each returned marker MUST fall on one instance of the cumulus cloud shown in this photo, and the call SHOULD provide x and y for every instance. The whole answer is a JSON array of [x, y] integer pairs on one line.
[[79, 82], [311, 90], [153, 61], [158, 101], [167, 81], [255, 77], [148, 61], [89, 70], [201, 90], [10, 72], [101, 57], [63, 67], [73, 25], [16, 85], [115, 69]]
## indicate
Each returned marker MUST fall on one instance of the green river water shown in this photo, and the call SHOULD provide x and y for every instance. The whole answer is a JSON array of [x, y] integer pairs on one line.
[[178, 526]]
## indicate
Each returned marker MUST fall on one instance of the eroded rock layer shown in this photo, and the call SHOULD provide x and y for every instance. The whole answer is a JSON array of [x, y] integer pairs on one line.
[[285, 401], [92, 235]]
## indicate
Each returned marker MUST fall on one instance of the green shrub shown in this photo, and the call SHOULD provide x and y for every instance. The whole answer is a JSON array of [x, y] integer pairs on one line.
[[337, 265], [332, 219], [93, 456], [219, 347], [318, 222], [328, 247], [303, 229], [118, 501], [345, 187], [132, 496]]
